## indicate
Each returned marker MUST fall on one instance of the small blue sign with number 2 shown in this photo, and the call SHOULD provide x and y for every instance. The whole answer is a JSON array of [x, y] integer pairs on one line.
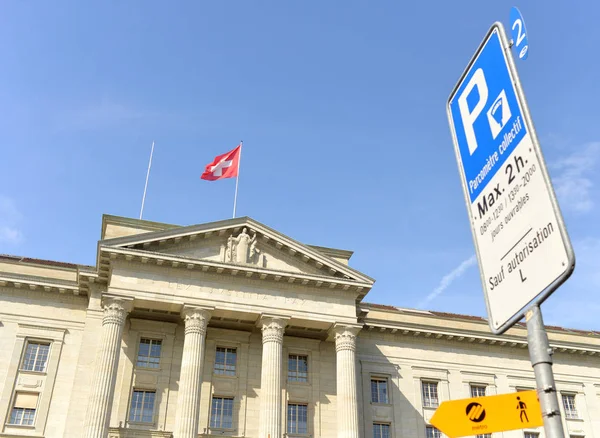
[[519, 33]]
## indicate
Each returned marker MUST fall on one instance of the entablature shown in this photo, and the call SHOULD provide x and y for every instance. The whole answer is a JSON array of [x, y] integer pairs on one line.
[[475, 337], [109, 253], [39, 283]]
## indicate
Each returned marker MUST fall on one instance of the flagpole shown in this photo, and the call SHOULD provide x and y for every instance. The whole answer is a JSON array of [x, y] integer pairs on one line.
[[146, 185], [237, 178]]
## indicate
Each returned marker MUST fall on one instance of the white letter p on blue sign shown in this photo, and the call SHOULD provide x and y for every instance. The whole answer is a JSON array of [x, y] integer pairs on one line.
[[468, 117]]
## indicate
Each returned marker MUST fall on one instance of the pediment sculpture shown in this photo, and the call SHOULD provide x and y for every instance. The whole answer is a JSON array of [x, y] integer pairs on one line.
[[242, 249]]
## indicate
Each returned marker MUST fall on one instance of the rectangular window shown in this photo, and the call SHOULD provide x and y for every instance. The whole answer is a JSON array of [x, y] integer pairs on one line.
[[379, 390], [569, 405], [477, 391], [221, 413], [36, 356], [531, 435], [149, 353], [297, 368], [142, 406], [432, 432], [297, 419], [430, 394], [225, 360], [23, 411], [381, 430]]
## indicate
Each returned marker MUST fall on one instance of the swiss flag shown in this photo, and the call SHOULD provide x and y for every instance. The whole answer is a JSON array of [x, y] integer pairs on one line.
[[223, 166]]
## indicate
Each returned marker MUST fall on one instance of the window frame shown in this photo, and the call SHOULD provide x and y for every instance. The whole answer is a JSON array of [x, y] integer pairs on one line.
[[571, 413], [437, 393], [154, 405], [210, 419], [224, 370], [152, 340], [297, 361], [53, 334], [429, 426], [10, 417], [29, 341], [13, 407], [287, 419], [476, 386], [383, 423], [386, 381]]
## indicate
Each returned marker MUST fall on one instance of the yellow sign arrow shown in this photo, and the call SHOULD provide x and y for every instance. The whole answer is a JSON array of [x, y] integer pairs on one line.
[[495, 413]]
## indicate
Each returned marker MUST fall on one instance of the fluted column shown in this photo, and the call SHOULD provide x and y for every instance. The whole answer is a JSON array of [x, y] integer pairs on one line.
[[347, 398], [270, 378], [190, 380], [105, 368]]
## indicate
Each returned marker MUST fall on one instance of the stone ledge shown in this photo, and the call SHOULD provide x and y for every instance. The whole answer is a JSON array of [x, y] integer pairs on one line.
[[116, 432]]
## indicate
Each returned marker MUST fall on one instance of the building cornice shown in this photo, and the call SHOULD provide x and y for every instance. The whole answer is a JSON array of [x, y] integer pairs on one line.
[[21, 281], [473, 337]]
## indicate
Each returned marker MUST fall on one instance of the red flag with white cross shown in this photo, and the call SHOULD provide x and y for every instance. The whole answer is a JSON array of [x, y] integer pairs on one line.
[[223, 166]]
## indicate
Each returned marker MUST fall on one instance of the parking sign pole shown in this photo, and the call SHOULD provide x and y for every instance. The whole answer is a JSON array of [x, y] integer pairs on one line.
[[540, 354]]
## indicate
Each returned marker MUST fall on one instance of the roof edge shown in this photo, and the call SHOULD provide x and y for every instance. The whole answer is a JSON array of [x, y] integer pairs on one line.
[[333, 252], [473, 319], [43, 262], [139, 223]]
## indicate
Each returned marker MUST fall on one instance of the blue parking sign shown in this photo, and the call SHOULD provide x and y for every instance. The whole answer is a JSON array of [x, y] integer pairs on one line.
[[487, 118], [522, 246]]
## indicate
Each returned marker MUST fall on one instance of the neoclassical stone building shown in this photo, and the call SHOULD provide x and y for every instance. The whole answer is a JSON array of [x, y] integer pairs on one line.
[[233, 329]]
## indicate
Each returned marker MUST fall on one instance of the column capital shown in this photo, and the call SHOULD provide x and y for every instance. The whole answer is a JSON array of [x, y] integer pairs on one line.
[[196, 318], [345, 336], [272, 327], [116, 308], [190, 378]]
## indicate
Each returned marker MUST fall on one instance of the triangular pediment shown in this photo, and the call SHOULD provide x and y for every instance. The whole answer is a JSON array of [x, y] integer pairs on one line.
[[241, 242]]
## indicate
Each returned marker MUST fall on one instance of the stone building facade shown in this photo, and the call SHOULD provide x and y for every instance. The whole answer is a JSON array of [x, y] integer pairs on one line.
[[233, 329]]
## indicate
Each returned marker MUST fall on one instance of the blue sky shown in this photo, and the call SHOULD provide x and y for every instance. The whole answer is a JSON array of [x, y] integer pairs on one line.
[[341, 106]]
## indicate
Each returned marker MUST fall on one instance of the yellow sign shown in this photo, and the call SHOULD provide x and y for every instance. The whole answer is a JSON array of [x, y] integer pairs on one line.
[[495, 413]]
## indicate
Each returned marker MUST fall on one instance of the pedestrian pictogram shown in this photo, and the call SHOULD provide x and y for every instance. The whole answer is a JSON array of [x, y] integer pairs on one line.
[[485, 415], [523, 408]]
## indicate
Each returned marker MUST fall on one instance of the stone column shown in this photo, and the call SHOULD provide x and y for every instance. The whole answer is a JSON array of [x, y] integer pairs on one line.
[[270, 378], [105, 368], [347, 397], [190, 380]]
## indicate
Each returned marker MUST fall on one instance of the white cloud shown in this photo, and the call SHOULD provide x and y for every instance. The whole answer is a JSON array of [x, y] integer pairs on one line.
[[573, 182], [102, 114], [9, 220], [10, 235], [587, 263], [448, 279], [575, 304]]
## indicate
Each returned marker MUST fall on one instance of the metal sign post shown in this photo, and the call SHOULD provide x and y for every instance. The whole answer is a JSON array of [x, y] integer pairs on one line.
[[522, 245], [540, 354]]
